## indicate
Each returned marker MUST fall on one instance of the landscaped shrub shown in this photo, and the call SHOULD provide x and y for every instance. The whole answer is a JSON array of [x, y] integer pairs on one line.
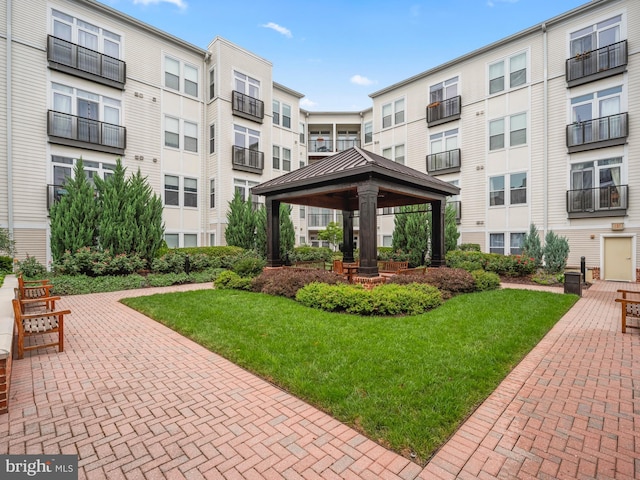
[[471, 260], [212, 252], [31, 268], [469, 247], [531, 245], [6, 264], [468, 260], [556, 252], [167, 279], [231, 280], [249, 266], [94, 262], [485, 280], [545, 278], [391, 255], [388, 299], [450, 281], [306, 254], [80, 284], [286, 282], [178, 261]]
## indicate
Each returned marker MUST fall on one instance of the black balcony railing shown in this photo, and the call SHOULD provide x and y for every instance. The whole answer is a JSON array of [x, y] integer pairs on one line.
[[247, 160], [443, 111], [458, 207], [66, 129], [443, 162], [319, 219], [342, 145], [599, 201], [603, 62], [83, 62], [247, 107], [323, 145], [54, 194], [598, 133]]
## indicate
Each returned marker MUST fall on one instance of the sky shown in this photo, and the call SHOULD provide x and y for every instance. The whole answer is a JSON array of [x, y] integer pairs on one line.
[[337, 52]]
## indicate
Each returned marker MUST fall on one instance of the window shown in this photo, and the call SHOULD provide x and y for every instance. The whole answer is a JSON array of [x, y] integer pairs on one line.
[[393, 113], [286, 116], [516, 241], [496, 134], [597, 184], [190, 192], [399, 154], [303, 211], [443, 90], [190, 137], [171, 132], [212, 84], [86, 35], [171, 190], [190, 240], [247, 85], [246, 137], [174, 69], [517, 126], [518, 187], [243, 187], [387, 153], [518, 132], [387, 241], [387, 211], [496, 243], [276, 157], [286, 159], [302, 135], [444, 141], [212, 138], [276, 112], [368, 132], [191, 80], [496, 191], [604, 105], [63, 169], [303, 240], [172, 240], [596, 36], [212, 193], [212, 239], [517, 67]]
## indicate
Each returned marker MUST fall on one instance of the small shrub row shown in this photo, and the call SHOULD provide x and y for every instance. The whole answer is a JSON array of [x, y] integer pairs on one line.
[[231, 280], [213, 252], [388, 299], [485, 280], [6, 264], [309, 254], [93, 262], [510, 265], [450, 281], [286, 282]]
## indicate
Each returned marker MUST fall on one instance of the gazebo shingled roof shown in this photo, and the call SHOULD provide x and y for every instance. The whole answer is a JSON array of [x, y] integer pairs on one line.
[[351, 180]]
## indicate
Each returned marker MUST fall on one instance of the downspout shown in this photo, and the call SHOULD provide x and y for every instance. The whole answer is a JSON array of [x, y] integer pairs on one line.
[[545, 142], [9, 124]]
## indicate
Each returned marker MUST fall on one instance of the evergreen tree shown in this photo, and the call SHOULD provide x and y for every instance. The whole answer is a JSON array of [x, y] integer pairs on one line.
[[556, 253], [74, 218], [418, 233], [531, 245], [287, 231], [241, 223], [261, 231], [451, 233], [114, 212], [399, 239]]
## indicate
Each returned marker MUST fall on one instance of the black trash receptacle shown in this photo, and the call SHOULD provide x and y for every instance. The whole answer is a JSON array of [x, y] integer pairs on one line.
[[572, 283]]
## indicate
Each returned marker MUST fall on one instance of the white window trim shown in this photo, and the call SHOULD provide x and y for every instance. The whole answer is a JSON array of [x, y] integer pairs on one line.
[[75, 27], [507, 132], [507, 189], [506, 60], [182, 135], [392, 104], [181, 76]]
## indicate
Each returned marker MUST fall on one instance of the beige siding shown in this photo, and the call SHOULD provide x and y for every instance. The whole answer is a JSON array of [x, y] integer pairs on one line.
[[32, 242]]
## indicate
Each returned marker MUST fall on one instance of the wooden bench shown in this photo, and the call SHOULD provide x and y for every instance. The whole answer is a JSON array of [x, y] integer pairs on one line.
[[413, 271], [40, 323], [312, 264], [6, 347], [630, 308], [392, 266]]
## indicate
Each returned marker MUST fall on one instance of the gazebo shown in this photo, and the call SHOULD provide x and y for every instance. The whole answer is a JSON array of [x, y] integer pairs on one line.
[[356, 180]]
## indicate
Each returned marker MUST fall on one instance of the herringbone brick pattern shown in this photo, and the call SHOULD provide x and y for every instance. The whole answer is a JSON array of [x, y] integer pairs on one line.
[[136, 400]]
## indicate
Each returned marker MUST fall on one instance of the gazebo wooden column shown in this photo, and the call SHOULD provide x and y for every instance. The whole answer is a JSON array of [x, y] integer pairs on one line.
[[273, 232], [368, 206], [347, 236], [437, 233]]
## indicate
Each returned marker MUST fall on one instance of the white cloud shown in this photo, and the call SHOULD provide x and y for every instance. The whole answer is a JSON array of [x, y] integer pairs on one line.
[[306, 103], [178, 3], [360, 80], [274, 26]]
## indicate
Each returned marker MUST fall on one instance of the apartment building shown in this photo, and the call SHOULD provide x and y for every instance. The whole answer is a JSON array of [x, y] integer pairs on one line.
[[533, 128]]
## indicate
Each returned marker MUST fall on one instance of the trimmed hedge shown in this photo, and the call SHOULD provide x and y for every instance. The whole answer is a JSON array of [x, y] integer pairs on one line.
[[286, 282], [510, 265], [309, 254], [387, 299], [486, 280]]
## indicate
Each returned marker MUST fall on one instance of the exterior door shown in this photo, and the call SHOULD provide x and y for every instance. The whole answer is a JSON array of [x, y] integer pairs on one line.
[[88, 129], [617, 259]]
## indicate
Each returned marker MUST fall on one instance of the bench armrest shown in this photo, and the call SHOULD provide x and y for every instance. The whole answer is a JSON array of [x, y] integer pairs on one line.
[[45, 314]]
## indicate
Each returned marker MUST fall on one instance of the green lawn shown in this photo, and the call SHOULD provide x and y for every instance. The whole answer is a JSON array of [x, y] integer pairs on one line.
[[406, 382]]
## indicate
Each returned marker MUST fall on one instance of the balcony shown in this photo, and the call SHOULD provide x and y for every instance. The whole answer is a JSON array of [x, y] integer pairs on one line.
[[75, 60], [319, 220], [598, 133], [54, 194], [247, 160], [321, 145], [458, 207], [444, 111], [73, 131], [443, 162], [609, 201], [346, 144], [596, 64], [247, 107]]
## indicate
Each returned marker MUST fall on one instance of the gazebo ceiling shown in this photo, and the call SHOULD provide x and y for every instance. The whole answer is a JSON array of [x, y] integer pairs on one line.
[[333, 182]]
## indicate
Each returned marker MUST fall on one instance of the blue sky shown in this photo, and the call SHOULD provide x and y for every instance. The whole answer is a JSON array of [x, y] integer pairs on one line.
[[337, 52]]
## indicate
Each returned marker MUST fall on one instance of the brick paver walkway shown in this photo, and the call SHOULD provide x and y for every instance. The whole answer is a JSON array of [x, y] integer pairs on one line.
[[136, 400]]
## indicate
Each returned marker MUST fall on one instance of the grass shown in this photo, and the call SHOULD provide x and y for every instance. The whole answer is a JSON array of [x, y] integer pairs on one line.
[[406, 382]]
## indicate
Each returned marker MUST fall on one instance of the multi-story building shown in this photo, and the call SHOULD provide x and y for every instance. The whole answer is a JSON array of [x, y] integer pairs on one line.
[[533, 128]]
